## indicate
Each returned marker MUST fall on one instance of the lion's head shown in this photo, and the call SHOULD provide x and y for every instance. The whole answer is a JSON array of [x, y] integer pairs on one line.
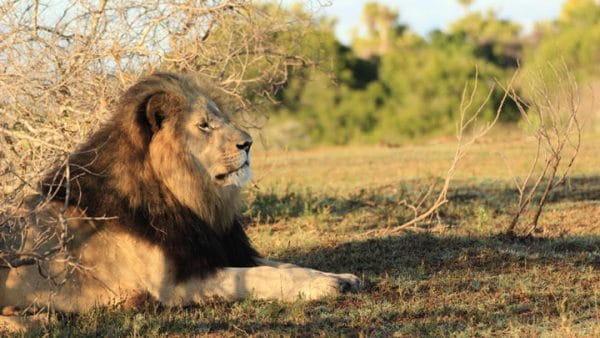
[[171, 140], [182, 111], [194, 148]]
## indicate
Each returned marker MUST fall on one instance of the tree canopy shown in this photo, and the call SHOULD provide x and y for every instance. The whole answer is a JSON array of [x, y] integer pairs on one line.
[[392, 85]]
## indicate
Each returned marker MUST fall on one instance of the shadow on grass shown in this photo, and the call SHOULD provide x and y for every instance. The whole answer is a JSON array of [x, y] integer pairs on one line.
[[384, 310], [186, 326], [419, 254], [381, 309], [270, 206], [574, 189]]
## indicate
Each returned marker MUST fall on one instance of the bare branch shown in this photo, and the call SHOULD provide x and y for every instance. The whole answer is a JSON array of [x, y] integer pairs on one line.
[[466, 119], [557, 133]]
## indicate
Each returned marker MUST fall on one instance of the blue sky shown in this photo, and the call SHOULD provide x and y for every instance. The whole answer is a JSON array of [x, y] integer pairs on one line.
[[425, 15]]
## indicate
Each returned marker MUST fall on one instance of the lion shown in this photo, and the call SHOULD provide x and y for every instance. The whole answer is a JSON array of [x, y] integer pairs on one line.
[[151, 203]]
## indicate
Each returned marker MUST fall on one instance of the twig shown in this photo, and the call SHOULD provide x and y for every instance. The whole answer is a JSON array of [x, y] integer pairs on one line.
[[462, 147], [553, 142], [30, 138]]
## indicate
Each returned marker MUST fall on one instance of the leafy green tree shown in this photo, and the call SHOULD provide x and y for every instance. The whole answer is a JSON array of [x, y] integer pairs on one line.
[[581, 13], [573, 39], [410, 88], [425, 87], [496, 40]]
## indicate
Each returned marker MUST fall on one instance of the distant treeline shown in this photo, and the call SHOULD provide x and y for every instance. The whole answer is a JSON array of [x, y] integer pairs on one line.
[[392, 85]]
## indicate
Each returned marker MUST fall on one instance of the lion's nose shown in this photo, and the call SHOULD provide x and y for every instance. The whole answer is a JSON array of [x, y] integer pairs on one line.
[[245, 146]]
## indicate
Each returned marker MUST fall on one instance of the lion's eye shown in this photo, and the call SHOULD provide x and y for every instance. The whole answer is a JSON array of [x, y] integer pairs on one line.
[[204, 126]]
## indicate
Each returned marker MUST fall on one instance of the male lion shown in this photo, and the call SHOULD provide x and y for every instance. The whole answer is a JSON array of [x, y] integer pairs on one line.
[[153, 211]]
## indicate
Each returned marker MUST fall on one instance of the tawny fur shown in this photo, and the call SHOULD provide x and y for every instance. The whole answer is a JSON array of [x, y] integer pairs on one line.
[[164, 176]]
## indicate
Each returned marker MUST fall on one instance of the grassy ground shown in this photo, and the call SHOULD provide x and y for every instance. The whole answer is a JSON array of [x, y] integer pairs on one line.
[[457, 276]]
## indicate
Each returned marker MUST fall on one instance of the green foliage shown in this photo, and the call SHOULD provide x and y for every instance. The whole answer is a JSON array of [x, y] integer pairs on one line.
[[494, 39], [426, 86], [580, 13], [382, 29], [568, 47], [394, 86], [575, 45]]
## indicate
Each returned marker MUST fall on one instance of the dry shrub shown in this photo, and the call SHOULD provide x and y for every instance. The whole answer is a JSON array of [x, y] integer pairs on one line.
[[551, 117], [63, 64]]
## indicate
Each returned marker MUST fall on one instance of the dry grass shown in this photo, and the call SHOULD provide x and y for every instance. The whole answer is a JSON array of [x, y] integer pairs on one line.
[[459, 278], [345, 169]]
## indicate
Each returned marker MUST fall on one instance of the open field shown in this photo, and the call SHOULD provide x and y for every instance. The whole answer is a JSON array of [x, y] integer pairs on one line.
[[457, 276]]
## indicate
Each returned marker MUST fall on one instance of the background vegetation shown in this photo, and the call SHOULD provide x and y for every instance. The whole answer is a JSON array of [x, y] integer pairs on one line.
[[393, 86]]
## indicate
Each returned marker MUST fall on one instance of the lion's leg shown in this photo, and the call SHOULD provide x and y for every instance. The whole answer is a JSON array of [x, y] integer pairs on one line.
[[264, 282], [283, 265]]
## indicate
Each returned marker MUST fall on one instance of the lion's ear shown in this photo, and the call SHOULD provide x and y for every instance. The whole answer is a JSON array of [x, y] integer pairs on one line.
[[161, 106]]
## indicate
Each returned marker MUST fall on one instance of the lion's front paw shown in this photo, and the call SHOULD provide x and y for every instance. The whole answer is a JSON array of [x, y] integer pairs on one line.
[[290, 284], [349, 282], [323, 284]]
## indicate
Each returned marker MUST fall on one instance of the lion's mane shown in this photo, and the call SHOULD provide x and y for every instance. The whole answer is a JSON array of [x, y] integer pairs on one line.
[[111, 177]]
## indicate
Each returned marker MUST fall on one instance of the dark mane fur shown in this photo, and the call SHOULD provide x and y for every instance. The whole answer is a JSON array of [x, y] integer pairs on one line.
[[110, 175]]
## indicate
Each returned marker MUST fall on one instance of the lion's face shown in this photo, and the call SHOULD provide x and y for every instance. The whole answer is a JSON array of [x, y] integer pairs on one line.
[[194, 150], [191, 136], [217, 147]]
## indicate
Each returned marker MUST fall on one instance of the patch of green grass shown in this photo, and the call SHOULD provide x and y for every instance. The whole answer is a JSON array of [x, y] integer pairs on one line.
[[457, 276]]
